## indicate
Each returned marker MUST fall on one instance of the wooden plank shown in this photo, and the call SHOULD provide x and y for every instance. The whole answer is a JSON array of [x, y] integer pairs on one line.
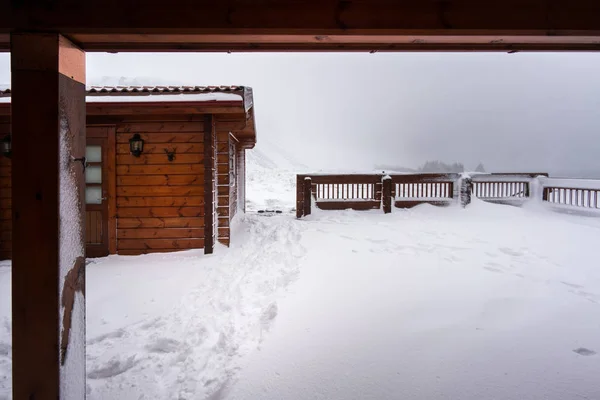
[[331, 179], [169, 169], [160, 191], [346, 205], [223, 201], [160, 201], [111, 172], [223, 222], [160, 126], [147, 159], [137, 252], [96, 132], [181, 244], [166, 107], [166, 137], [160, 180], [159, 233], [158, 148], [129, 212], [175, 222]]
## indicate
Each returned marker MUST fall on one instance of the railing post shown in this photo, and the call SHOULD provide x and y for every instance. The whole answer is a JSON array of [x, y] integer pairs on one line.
[[307, 195], [386, 197], [466, 188], [299, 196]]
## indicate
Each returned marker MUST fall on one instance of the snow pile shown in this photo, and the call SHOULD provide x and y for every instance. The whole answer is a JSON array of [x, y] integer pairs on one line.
[[166, 326]]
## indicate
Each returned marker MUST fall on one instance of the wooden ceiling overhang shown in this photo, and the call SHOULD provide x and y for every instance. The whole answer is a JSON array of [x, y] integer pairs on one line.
[[313, 25]]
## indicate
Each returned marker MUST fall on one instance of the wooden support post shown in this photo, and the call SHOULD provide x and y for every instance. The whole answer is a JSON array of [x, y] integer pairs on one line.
[[307, 195], [299, 196], [466, 188], [48, 267], [387, 194], [210, 176]]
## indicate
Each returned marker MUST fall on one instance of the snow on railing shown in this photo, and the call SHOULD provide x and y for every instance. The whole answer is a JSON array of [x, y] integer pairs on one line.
[[374, 191], [575, 193]]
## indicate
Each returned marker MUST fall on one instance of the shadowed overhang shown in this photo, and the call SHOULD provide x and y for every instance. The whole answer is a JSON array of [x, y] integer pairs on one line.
[[374, 25]]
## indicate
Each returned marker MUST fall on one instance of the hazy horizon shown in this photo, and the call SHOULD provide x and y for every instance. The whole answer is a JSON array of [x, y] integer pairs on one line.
[[512, 112]]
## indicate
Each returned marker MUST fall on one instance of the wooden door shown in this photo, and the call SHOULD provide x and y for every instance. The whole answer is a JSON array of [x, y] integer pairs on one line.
[[96, 198]]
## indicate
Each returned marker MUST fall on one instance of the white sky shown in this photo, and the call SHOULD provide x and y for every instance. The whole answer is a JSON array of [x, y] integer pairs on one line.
[[523, 111]]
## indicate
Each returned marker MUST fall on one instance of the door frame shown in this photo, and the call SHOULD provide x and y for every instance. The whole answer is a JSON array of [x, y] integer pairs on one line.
[[108, 133]]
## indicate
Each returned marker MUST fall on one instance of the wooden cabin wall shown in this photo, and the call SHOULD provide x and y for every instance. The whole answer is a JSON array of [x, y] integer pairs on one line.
[[233, 177], [5, 200], [223, 181], [160, 203], [241, 177]]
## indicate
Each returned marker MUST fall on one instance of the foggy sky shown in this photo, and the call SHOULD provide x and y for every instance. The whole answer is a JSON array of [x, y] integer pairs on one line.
[[523, 111]]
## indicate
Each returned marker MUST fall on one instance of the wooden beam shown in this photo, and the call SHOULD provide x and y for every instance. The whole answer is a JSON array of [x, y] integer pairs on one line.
[[209, 183], [238, 25], [48, 267]]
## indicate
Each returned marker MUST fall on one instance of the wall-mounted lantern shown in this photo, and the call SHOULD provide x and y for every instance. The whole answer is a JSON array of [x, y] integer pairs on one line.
[[6, 146], [136, 145]]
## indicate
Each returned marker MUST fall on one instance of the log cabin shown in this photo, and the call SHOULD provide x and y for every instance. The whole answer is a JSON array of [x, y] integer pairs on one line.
[[164, 167]]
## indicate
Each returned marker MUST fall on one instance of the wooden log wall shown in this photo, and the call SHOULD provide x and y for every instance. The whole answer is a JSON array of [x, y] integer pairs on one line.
[[5, 201], [241, 177], [160, 203], [223, 187], [233, 174]]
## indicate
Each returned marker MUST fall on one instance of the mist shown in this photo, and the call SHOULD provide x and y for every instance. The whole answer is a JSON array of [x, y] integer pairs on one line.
[[532, 112]]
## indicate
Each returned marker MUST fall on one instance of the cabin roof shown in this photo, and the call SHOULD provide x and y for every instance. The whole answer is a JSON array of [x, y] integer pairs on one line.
[[114, 100], [136, 90]]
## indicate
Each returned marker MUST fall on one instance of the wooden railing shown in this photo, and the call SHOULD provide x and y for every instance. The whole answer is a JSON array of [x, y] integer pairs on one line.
[[574, 193], [364, 192], [338, 192], [513, 189], [411, 190]]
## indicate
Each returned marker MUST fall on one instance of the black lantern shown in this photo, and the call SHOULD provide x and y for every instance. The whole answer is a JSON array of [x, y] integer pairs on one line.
[[136, 145], [6, 146]]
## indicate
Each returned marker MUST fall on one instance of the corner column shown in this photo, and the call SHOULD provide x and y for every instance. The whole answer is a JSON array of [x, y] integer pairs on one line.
[[48, 267], [210, 185]]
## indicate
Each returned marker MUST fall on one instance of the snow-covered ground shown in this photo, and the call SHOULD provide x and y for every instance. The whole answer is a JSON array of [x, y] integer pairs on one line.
[[487, 302]]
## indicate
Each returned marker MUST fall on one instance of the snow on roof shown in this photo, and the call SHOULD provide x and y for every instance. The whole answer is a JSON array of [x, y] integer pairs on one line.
[[102, 94]]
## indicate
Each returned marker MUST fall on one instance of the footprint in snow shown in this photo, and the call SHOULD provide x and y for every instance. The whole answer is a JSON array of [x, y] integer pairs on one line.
[[572, 285], [582, 351], [511, 252], [113, 368], [492, 269], [163, 345]]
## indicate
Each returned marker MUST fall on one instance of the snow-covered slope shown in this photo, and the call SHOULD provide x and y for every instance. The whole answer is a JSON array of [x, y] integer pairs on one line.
[[271, 178]]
